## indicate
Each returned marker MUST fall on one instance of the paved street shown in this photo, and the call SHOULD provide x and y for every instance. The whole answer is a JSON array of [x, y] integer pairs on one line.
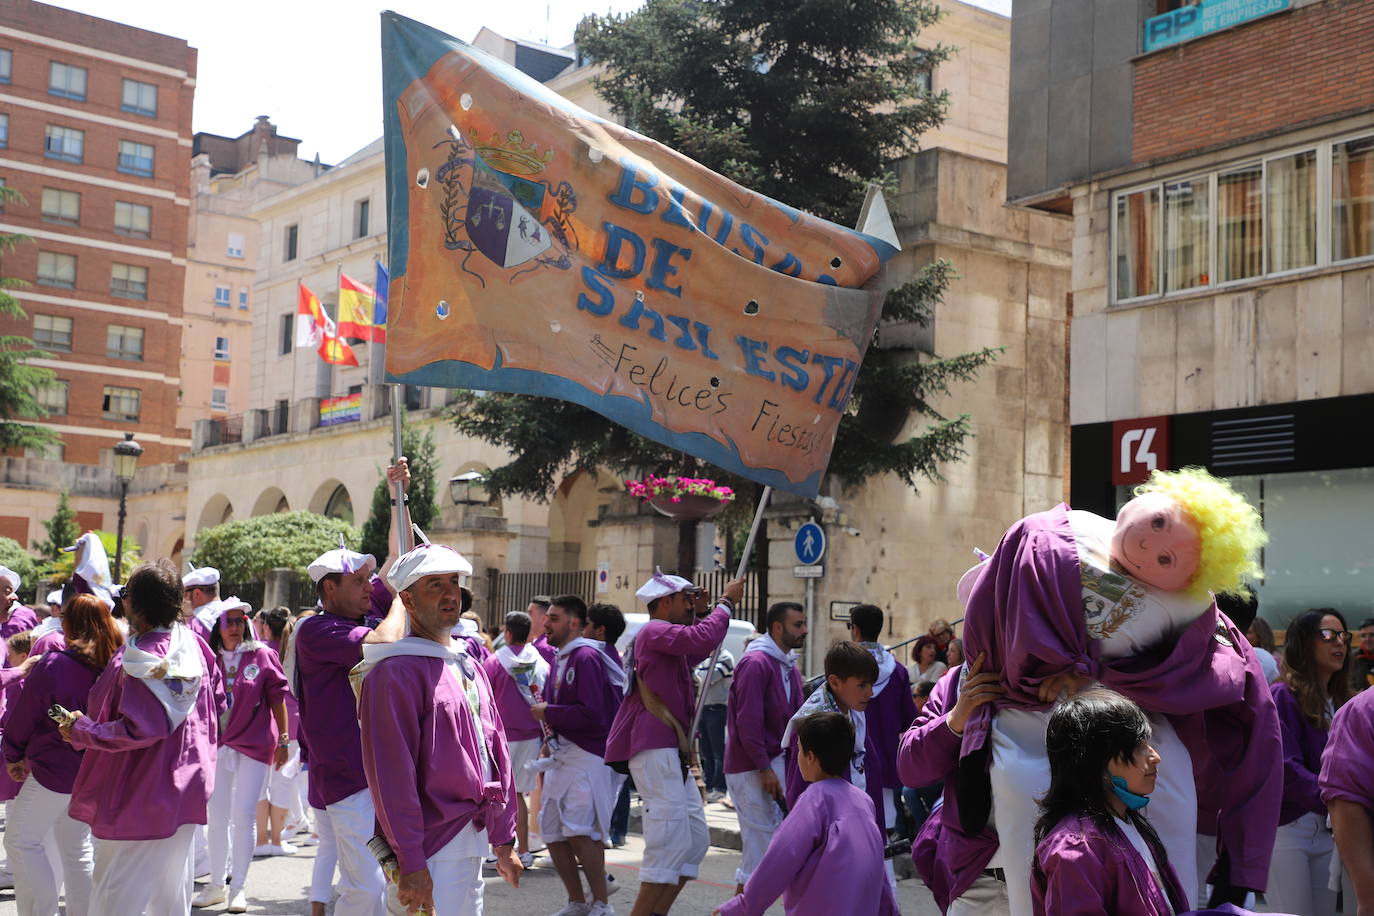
[[278, 886]]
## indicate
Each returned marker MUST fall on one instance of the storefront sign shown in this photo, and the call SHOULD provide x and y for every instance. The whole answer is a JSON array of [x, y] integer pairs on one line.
[[1139, 447], [347, 409], [1204, 18]]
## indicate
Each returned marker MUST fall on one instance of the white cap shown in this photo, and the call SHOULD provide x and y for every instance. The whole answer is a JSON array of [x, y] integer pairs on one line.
[[341, 560], [426, 560], [970, 578], [54, 597], [226, 604], [660, 585], [11, 575], [205, 575]]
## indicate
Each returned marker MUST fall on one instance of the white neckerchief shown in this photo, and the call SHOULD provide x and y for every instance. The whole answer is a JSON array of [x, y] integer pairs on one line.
[[614, 673], [45, 626], [887, 663], [174, 679], [823, 701], [786, 660], [527, 668], [457, 663]]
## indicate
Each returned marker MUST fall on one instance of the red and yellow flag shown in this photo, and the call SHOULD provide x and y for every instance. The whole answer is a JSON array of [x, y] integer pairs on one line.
[[336, 351], [310, 317], [357, 311]]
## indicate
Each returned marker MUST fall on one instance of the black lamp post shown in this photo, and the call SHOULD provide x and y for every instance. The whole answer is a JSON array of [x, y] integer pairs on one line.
[[469, 489], [126, 455]]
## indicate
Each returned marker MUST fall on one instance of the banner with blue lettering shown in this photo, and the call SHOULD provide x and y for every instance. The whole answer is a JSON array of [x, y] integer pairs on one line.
[[537, 248]]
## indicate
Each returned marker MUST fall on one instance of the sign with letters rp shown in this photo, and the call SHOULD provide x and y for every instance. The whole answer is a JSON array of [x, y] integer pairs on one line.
[[539, 249], [1138, 447]]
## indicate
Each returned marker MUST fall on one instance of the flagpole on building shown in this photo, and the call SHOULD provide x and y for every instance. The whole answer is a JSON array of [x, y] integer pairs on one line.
[[739, 574]]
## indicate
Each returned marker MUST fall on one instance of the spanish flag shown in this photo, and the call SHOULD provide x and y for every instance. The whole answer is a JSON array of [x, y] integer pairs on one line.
[[357, 305]]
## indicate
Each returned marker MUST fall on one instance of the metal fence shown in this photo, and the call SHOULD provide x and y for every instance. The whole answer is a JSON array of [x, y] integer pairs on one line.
[[300, 594], [225, 430], [512, 591]]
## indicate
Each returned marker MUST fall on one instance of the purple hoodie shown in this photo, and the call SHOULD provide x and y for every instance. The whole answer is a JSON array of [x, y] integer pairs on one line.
[[58, 677], [1303, 744], [582, 700]]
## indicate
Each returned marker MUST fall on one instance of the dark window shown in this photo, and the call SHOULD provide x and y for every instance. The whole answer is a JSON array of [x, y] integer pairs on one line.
[[288, 330], [292, 237]]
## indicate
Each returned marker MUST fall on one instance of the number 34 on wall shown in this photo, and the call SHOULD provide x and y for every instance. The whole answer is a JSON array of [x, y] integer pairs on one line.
[[622, 582]]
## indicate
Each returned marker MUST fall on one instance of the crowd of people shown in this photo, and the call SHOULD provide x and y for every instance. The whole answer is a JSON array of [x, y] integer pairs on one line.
[[155, 732]]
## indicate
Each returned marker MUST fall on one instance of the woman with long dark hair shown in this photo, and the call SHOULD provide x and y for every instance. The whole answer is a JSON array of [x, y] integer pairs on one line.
[[1095, 851], [36, 755], [253, 739], [149, 737], [1315, 683]]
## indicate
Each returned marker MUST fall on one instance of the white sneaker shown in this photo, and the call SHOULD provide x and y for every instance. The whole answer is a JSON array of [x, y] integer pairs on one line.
[[306, 839], [575, 909], [211, 896], [238, 903], [286, 849], [612, 885], [263, 849], [601, 909]]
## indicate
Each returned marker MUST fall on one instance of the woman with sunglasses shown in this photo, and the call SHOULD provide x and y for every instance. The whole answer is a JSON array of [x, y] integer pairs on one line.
[[1314, 684]]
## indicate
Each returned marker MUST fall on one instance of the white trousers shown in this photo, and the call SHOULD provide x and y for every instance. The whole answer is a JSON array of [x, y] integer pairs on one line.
[[985, 897], [758, 814], [326, 857], [37, 819], [144, 877], [233, 816], [1300, 870], [1021, 773], [457, 881], [578, 796], [362, 887], [675, 834]]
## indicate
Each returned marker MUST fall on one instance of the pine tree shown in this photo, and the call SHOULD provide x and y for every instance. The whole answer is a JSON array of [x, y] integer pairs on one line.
[[19, 381], [62, 530], [808, 103], [418, 447]]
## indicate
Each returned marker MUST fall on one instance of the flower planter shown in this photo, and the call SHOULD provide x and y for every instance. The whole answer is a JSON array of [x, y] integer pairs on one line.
[[688, 507]]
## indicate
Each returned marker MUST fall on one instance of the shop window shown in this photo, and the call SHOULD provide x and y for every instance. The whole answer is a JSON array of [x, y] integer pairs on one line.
[[1352, 199], [1291, 183], [1137, 244]]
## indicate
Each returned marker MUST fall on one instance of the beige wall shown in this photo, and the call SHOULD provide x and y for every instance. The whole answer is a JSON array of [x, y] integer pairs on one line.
[[976, 76]]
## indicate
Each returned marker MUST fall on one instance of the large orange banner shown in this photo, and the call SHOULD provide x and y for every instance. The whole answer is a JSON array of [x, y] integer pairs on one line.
[[537, 248]]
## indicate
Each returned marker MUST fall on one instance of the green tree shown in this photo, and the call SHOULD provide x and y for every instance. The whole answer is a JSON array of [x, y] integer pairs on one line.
[[18, 380], [13, 555], [60, 570], [244, 550], [418, 446], [808, 103], [62, 529]]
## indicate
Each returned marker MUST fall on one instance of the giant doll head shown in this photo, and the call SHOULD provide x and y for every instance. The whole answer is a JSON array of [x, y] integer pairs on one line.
[[1188, 530]]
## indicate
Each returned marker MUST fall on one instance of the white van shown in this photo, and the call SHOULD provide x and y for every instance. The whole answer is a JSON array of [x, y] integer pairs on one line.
[[735, 637]]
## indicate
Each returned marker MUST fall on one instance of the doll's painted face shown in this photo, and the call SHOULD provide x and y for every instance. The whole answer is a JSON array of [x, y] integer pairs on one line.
[[1157, 542]]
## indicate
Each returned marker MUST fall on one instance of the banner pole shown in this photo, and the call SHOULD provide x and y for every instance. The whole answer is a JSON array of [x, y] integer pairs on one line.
[[739, 574], [406, 534]]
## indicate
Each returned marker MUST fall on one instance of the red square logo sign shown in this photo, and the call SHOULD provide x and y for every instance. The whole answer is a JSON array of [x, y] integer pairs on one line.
[[1139, 447]]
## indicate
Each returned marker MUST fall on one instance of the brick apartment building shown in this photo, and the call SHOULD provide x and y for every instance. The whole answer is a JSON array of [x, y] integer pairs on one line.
[[1217, 161], [95, 133]]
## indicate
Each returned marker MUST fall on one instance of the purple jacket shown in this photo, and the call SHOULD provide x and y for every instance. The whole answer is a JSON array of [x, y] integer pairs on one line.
[[888, 715], [519, 723], [793, 784], [1347, 772], [11, 684], [251, 728], [423, 761], [582, 700], [664, 656], [1085, 869], [947, 859], [48, 642], [826, 859], [758, 712], [1026, 612], [59, 677], [20, 619], [327, 648], [541, 645], [141, 779], [1303, 744]]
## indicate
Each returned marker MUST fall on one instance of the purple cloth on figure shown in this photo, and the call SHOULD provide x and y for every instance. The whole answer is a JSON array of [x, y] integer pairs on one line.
[[141, 779], [794, 785], [889, 714], [423, 760], [947, 859], [825, 859], [1083, 868], [30, 735], [193, 623], [664, 656], [582, 700], [1026, 612], [516, 719], [11, 685], [614, 654], [1303, 744], [1347, 770], [327, 648], [381, 597], [758, 711], [251, 728], [477, 649], [541, 645], [20, 619], [48, 642]]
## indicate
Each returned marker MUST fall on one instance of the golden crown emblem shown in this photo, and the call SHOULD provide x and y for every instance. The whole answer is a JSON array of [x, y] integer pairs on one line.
[[513, 156]]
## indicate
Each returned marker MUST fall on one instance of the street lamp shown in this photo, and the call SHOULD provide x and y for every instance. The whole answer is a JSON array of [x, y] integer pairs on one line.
[[126, 455], [468, 489]]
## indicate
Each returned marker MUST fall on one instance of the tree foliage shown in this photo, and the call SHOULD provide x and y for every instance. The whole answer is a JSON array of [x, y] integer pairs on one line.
[[244, 550], [13, 555], [808, 103], [18, 379], [62, 529], [418, 446]]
